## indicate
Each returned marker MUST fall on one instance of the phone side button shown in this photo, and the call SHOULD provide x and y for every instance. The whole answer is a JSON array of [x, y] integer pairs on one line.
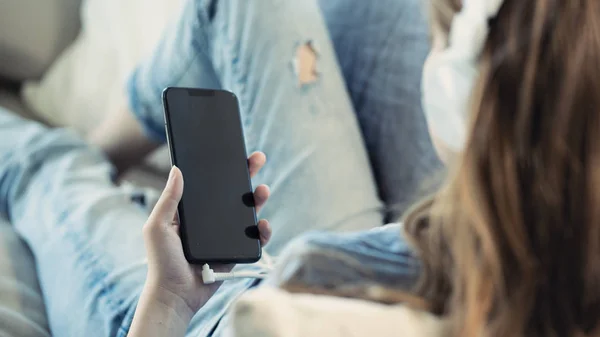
[[169, 144]]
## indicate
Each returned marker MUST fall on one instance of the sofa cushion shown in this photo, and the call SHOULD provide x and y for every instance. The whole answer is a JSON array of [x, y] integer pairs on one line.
[[33, 33], [89, 77]]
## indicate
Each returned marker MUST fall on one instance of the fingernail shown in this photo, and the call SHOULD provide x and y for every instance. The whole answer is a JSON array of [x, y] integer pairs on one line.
[[171, 173]]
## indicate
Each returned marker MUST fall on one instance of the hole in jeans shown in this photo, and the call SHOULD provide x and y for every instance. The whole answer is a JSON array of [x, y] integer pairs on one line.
[[305, 63]]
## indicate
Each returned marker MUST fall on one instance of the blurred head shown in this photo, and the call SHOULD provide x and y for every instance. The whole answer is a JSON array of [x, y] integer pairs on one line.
[[451, 71], [511, 243]]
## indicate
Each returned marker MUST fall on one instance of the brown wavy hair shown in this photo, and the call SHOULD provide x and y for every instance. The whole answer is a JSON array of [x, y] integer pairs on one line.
[[510, 245]]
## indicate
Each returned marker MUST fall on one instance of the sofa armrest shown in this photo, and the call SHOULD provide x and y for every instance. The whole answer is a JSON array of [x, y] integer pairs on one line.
[[33, 33]]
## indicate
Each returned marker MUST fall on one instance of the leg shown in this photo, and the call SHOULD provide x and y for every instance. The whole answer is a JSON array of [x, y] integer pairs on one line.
[[85, 233], [318, 168], [376, 257]]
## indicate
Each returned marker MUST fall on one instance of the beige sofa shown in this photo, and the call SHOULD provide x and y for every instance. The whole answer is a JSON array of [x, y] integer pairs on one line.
[[32, 35]]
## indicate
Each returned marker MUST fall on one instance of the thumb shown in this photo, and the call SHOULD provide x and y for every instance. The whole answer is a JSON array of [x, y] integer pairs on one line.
[[165, 209]]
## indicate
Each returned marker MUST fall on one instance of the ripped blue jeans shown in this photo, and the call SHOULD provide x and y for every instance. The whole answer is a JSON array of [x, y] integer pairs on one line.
[[85, 231]]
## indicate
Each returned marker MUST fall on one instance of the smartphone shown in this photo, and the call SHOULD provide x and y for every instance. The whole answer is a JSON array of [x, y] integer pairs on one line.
[[206, 140]]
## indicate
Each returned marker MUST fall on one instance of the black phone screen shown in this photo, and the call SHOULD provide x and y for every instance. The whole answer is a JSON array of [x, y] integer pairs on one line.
[[216, 213]]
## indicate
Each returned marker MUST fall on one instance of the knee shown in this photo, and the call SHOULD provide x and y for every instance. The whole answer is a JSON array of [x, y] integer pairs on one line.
[[308, 261]]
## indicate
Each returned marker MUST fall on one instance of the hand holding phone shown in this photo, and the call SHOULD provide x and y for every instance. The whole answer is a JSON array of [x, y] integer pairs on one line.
[[171, 279], [217, 213]]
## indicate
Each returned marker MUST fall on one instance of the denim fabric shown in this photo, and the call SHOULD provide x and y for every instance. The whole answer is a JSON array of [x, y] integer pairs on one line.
[[328, 260], [381, 47], [85, 232], [318, 170]]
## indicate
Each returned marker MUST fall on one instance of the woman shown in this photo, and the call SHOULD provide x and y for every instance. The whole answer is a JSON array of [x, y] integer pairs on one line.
[[510, 244], [86, 233]]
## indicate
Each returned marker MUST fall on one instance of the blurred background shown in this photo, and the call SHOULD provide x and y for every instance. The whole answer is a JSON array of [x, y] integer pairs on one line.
[[65, 62]]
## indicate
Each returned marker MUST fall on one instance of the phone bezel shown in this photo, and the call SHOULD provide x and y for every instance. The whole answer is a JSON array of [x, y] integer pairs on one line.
[[180, 209]]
